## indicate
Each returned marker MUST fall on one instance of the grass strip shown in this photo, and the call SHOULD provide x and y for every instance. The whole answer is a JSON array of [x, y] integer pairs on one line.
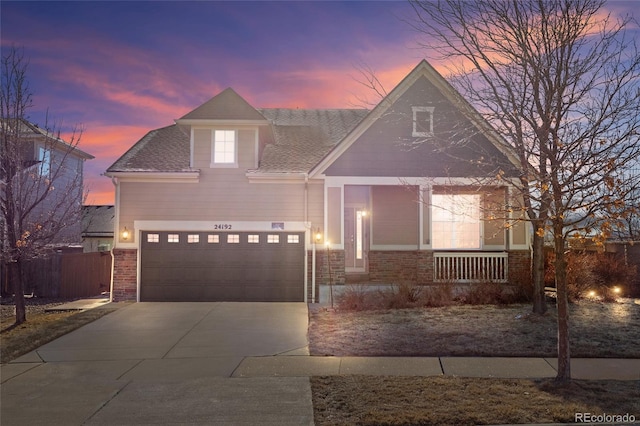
[[43, 328]]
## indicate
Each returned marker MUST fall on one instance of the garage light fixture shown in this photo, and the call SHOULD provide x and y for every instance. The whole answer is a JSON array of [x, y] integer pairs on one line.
[[125, 234]]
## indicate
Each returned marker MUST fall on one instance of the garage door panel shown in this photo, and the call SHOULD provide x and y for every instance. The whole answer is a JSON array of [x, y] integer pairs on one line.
[[214, 269]]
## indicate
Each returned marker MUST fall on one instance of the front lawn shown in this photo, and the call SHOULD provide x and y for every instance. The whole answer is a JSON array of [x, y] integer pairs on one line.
[[369, 400], [598, 330]]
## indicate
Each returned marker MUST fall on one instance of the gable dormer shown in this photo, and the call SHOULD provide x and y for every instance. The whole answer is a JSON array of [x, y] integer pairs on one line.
[[223, 132]]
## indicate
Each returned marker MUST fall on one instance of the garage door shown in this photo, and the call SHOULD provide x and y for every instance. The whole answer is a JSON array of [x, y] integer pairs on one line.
[[225, 266]]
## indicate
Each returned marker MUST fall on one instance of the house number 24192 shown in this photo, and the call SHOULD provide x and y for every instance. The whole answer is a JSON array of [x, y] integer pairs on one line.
[[220, 226]]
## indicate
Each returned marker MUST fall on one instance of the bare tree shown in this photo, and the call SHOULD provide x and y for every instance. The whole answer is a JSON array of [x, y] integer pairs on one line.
[[626, 227], [559, 80], [40, 180]]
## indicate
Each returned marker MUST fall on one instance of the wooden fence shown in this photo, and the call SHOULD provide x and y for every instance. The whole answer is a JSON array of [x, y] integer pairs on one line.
[[67, 276]]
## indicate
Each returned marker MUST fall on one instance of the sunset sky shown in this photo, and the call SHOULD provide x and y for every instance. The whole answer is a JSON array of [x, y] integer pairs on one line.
[[120, 69]]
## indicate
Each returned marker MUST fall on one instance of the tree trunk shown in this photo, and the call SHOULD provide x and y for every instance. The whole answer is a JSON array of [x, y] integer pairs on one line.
[[539, 300], [18, 292], [564, 357]]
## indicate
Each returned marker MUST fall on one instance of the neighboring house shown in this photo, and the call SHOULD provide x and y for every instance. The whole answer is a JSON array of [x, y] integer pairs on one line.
[[97, 228], [48, 157], [234, 202]]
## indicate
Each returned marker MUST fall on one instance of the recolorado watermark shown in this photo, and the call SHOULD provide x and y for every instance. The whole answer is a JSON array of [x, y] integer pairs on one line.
[[604, 418]]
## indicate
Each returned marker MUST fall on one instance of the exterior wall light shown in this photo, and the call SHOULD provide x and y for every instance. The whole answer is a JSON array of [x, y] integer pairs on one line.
[[125, 234]]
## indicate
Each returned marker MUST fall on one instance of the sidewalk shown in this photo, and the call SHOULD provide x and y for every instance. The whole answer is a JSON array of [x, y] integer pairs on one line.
[[82, 304], [523, 368]]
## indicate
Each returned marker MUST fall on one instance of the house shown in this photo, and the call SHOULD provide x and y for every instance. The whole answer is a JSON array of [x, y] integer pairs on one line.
[[97, 228], [46, 174], [239, 203], [46, 158]]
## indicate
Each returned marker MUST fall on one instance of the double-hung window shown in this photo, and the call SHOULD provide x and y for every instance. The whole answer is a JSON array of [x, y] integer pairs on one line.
[[225, 148], [456, 221]]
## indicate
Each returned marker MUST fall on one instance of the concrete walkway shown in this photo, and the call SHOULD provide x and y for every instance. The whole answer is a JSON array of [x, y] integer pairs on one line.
[[512, 368], [215, 363]]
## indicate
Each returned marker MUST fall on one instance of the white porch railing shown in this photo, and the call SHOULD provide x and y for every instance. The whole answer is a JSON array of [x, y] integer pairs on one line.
[[470, 267]]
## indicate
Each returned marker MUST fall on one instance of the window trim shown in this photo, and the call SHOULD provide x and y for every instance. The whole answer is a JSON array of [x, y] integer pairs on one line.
[[416, 110], [214, 163]]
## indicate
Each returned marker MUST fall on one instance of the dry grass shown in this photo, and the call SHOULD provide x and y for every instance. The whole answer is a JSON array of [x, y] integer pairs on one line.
[[42, 327], [597, 330], [368, 400]]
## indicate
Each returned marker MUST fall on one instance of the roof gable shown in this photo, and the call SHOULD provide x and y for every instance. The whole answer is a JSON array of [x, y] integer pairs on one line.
[[382, 144], [227, 105]]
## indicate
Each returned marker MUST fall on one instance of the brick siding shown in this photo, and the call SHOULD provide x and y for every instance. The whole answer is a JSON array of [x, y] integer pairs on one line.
[[519, 265], [125, 275]]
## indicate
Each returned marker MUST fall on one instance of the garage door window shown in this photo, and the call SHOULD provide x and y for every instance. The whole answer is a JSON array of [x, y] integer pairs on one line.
[[213, 239], [253, 239], [193, 238], [293, 239], [273, 238], [153, 238], [173, 238], [233, 239]]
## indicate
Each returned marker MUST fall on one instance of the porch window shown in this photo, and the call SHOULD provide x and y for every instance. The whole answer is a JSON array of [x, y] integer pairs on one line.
[[456, 221], [224, 147]]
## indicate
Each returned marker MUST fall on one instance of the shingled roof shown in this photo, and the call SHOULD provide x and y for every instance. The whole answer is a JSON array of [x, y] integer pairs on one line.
[[161, 150], [301, 138], [227, 105]]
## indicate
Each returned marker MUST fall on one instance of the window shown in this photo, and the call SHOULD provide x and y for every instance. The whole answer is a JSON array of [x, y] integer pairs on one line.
[[273, 239], [153, 238], [456, 221], [293, 239], [422, 121], [44, 157], [233, 239], [193, 238], [213, 239], [253, 239], [173, 238], [224, 147]]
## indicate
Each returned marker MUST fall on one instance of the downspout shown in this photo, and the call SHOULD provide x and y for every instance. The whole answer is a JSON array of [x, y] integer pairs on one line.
[[313, 254], [115, 238]]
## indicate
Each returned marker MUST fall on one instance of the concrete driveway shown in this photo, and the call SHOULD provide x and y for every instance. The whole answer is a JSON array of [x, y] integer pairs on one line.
[[164, 363]]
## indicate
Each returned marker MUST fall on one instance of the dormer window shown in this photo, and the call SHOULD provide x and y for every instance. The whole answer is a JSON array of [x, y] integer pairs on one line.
[[422, 121], [224, 152]]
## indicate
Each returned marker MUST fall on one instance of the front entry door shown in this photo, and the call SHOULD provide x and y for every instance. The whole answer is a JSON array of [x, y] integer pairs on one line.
[[356, 239]]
